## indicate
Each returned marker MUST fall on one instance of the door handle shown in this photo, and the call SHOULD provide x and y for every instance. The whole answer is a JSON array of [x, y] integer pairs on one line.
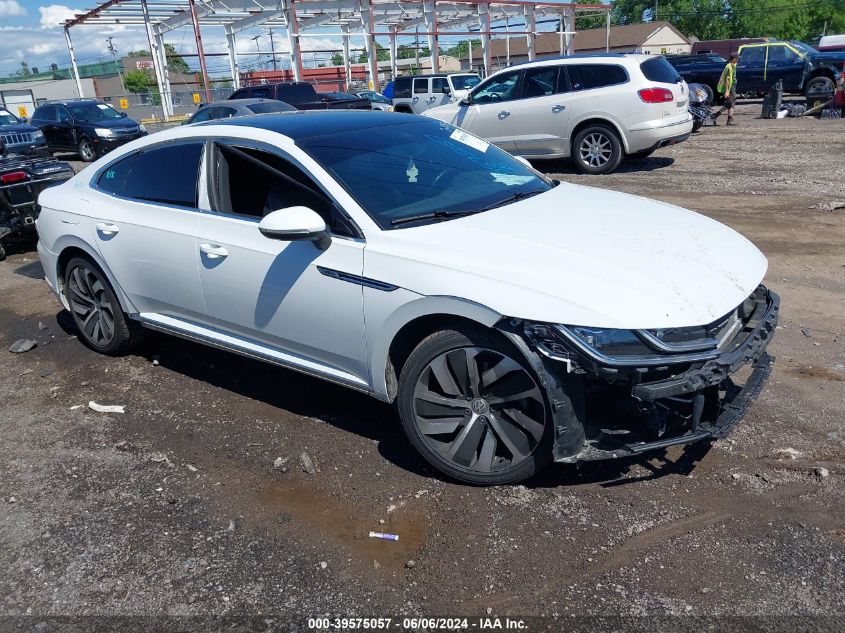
[[559, 108], [107, 229], [415, 99], [214, 251], [504, 114]]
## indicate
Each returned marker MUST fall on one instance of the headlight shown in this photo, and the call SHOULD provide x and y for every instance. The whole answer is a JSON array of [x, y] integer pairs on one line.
[[390, 108], [610, 342], [143, 128], [103, 132], [38, 134]]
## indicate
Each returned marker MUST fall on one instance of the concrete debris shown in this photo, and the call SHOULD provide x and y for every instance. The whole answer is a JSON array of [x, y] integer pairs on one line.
[[323, 564], [279, 464], [191, 467], [791, 453], [410, 563], [307, 464], [829, 206], [41, 326], [231, 527], [123, 445], [106, 408], [22, 345], [821, 472], [159, 458]]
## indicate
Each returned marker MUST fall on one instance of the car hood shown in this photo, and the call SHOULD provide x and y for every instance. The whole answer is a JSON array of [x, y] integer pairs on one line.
[[17, 128], [828, 56], [577, 255], [113, 123]]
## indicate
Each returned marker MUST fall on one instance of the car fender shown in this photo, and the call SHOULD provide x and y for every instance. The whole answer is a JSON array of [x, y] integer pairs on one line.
[[605, 118], [384, 325], [67, 241]]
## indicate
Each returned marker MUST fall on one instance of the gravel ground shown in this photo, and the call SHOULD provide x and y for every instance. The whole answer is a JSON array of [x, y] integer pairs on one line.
[[175, 507]]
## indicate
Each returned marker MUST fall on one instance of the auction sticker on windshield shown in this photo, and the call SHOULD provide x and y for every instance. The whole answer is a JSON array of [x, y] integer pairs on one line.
[[470, 140]]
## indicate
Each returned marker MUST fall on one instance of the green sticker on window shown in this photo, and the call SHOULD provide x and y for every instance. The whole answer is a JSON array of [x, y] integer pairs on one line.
[[110, 174]]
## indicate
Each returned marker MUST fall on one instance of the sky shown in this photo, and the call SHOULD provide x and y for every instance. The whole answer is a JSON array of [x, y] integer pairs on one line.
[[30, 31]]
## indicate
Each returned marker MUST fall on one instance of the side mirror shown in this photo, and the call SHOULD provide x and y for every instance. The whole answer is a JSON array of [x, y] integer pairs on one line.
[[446, 90], [467, 100], [122, 115], [295, 223], [23, 119]]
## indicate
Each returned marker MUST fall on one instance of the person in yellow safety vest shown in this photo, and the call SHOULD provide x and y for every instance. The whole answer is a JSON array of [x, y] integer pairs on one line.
[[727, 86]]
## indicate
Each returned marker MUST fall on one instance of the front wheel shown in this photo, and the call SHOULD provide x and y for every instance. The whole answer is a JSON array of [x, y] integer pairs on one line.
[[819, 84], [101, 322], [86, 150], [597, 150], [473, 408]]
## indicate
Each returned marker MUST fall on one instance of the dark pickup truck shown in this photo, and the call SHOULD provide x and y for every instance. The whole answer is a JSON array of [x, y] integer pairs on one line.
[[802, 68], [301, 95]]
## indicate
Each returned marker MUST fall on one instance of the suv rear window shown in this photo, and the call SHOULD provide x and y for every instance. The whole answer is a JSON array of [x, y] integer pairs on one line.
[[589, 76], [402, 88], [658, 69]]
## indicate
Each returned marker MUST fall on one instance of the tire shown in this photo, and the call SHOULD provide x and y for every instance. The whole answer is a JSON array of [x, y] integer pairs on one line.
[[102, 324], [86, 150], [711, 93], [490, 437], [2, 253], [597, 150], [696, 124], [641, 155], [819, 84]]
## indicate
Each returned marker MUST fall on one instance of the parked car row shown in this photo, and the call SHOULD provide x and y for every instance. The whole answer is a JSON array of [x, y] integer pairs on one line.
[[512, 320]]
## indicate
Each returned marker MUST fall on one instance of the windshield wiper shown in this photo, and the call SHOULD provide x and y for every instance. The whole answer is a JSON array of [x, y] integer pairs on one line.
[[430, 215], [520, 195]]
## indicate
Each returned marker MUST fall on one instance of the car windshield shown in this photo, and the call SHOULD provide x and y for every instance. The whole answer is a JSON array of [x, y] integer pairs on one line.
[[7, 118], [426, 169], [270, 106], [92, 111], [804, 48], [465, 82]]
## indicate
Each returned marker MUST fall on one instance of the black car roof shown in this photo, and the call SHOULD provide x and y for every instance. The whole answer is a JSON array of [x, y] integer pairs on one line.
[[308, 123]]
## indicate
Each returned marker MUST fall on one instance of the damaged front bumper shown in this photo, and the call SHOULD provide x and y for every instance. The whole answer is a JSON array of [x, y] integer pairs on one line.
[[620, 407]]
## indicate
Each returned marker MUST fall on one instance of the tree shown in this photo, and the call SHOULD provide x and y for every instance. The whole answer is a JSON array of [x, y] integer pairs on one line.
[[175, 62], [337, 59], [24, 71], [382, 54], [137, 80], [461, 49]]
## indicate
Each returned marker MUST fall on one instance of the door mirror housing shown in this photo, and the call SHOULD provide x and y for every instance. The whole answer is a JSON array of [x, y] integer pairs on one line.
[[467, 100], [295, 223], [445, 90], [122, 115]]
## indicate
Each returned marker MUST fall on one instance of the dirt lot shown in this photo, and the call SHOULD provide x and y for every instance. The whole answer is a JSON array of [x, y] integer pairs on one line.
[[175, 506]]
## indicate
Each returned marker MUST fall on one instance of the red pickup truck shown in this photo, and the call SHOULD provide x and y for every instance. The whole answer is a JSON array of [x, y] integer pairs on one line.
[[301, 95]]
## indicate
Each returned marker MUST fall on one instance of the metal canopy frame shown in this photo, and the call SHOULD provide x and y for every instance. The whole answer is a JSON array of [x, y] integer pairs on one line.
[[362, 18]]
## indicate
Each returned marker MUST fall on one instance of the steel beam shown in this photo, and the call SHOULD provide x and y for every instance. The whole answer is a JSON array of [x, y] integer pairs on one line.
[[166, 107], [293, 38], [231, 44], [367, 23], [73, 62], [347, 67], [531, 27], [430, 11], [164, 88], [484, 27]]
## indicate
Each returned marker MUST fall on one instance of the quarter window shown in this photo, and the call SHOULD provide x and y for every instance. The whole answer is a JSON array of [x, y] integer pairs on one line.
[[590, 76], [112, 179], [166, 175]]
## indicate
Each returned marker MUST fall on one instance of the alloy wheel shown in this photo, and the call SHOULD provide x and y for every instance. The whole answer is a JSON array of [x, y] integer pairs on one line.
[[86, 150], [479, 409], [91, 306], [596, 149]]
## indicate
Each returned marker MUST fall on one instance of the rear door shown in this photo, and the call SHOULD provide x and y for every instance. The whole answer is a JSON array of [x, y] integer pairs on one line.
[[421, 92], [751, 68], [440, 92], [544, 109], [145, 226], [786, 65]]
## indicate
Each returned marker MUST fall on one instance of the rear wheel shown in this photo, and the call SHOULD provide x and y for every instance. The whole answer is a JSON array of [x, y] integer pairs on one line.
[[474, 410], [696, 124], [102, 324], [86, 150], [597, 150]]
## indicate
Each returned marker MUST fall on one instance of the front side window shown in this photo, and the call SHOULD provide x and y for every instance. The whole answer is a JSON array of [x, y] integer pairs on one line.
[[539, 82], [62, 115], [165, 175], [499, 88], [93, 112], [426, 171], [591, 76], [259, 93], [781, 54], [7, 118], [113, 178]]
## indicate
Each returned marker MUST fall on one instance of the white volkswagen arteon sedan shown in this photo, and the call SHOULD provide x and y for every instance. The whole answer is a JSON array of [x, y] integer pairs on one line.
[[511, 318]]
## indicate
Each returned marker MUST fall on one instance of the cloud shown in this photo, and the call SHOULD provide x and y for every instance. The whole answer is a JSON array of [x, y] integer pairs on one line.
[[43, 48], [11, 9], [54, 15]]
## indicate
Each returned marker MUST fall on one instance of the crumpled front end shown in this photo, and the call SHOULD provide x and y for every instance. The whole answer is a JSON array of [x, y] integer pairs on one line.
[[634, 391]]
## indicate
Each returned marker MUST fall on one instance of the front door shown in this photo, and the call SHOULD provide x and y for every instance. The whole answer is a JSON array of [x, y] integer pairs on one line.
[[786, 65], [64, 132], [290, 297], [145, 227], [750, 69], [492, 114]]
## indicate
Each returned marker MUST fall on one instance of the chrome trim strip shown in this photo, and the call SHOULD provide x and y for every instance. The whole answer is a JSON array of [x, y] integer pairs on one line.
[[357, 279]]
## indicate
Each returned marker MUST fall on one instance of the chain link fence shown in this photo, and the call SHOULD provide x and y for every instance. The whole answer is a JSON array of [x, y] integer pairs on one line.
[[147, 106]]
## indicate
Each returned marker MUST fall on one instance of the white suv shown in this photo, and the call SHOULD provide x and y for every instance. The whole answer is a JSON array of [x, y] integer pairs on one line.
[[597, 109], [512, 319], [416, 94]]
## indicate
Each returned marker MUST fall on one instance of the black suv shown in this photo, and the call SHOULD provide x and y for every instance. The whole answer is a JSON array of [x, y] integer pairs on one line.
[[85, 126], [19, 138]]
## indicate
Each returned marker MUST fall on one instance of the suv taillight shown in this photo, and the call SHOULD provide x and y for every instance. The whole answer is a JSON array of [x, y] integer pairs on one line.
[[13, 176], [656, 95]]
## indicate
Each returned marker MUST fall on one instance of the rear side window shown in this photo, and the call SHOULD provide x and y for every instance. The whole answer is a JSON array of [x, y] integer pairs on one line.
[[420, 86], [438, 84], [259, 93], [47, 113], [112, 179], [590, 76], [166, 175], [402, 88], [659, 70], [539, 82], [753, 55]]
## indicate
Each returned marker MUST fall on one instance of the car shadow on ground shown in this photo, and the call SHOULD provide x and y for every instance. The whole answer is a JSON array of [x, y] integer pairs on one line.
[[358, 413], [566, 166]]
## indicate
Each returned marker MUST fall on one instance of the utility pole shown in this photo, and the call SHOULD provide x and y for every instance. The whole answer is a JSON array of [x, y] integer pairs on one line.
[[113, 52], [417, 48], [656, 2], [273, 50], [257, 48]]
